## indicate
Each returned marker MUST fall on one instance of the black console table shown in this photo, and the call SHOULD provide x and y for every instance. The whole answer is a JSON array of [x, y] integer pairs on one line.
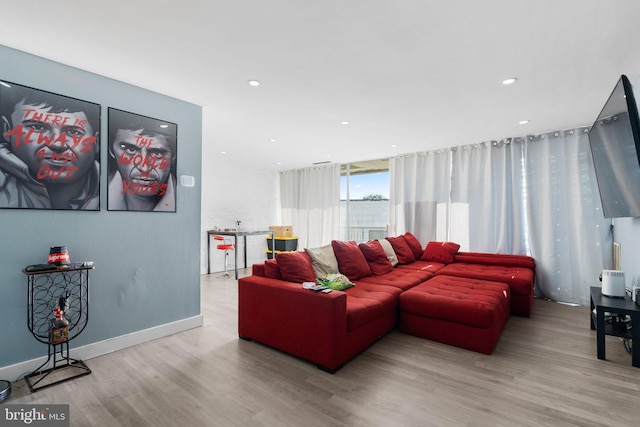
[[46, 289], [620, 306]]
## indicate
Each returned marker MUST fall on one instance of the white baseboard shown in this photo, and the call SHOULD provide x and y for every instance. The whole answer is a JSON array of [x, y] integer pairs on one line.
[[17, 371]]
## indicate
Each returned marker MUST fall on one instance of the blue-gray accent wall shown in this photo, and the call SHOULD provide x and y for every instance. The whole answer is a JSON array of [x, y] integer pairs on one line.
[[147, 265]]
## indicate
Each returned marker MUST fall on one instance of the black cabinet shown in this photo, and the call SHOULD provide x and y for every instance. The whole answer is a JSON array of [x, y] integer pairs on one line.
[[600, 305]]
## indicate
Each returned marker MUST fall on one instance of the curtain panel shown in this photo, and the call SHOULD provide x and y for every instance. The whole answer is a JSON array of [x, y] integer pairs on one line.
[[420, 185], [310, 203], [569, 236], [486, 197], [534, 195]]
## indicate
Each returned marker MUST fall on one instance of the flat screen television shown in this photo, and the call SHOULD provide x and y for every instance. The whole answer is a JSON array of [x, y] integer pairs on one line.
[[615, 148]]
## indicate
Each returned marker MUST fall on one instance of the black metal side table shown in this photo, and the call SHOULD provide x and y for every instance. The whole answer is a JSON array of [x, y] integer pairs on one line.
[[46, 290], [621, 306]]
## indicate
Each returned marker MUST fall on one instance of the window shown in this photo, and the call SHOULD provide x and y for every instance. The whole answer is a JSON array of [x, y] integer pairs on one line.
[[364, 200]]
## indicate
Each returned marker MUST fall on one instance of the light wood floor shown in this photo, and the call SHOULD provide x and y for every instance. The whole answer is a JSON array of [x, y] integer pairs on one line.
[[544, 371]]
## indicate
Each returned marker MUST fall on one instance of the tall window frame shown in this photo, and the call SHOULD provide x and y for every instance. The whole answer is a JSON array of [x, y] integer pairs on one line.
[[364, 200]]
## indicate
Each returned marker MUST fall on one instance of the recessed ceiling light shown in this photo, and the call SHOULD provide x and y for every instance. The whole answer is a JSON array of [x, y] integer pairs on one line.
[[345, 122], [272, 140], [524, 122], [253, 83], [509, 81], [393, 145], [223, 152]]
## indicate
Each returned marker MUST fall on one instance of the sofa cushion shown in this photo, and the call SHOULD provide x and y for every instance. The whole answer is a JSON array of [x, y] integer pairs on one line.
[[337, 281], [399, 278], [388, 250], [258, 270], [376, 257], [271, 269], [366, 304], [351, 261], [323, 260], [444, 252], [496, 259], [295, 267], [402, 249], [430, 266], [393, 290], [414, 244], [520, 280], [473, 302]]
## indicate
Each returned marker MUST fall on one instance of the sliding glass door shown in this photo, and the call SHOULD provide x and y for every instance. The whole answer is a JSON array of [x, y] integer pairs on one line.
[[364, 200]]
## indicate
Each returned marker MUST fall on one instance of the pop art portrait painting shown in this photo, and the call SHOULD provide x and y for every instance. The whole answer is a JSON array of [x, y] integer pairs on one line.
[[142, 163], [49, 150]]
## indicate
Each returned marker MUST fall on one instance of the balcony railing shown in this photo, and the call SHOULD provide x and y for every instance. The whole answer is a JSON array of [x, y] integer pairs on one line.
[[362, 234]]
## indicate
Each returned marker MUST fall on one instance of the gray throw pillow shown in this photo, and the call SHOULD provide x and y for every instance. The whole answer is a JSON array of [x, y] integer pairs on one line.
[[323, 260]]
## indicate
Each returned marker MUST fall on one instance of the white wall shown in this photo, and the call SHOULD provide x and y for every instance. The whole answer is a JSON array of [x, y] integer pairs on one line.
[[146, 274], [626, 231], [234, 190]]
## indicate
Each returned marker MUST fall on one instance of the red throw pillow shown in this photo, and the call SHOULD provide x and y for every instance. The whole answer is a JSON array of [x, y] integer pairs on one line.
[[351, 261], [402, 250], [376, 257], [295, 267], [414, 244], [271, 269], [444, 252]]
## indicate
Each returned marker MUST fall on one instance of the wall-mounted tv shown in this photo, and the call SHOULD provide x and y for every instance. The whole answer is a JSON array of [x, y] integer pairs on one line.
[[615, 148]]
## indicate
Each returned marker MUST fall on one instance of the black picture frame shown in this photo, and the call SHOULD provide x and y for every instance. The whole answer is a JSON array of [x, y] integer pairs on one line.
[[142, 159], [49, 150]]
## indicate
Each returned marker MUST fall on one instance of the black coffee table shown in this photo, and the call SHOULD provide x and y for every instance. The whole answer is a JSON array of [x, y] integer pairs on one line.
[[621, 306]]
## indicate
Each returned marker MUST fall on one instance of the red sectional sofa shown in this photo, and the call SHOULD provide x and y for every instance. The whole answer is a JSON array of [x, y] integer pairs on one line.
[[435, 292]]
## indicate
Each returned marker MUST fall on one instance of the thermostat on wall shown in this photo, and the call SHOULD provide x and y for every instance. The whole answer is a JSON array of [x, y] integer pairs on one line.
[[187, 181]]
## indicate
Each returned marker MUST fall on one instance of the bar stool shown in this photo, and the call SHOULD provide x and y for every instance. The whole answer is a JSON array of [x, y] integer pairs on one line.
[[226, 246]]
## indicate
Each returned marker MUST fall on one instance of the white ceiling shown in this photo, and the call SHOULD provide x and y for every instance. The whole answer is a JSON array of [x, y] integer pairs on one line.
[[418, 74]]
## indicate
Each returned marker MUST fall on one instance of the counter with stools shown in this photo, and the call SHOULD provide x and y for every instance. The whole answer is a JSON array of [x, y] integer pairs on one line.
[[235, 234]]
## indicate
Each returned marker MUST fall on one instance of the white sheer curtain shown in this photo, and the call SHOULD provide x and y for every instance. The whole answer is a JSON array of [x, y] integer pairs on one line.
[[486, 198], [420, 185], [570, 238], [535, 195], [310, 202]]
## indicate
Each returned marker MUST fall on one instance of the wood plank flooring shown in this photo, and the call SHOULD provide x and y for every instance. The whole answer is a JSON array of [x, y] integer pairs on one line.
[[544, 372]]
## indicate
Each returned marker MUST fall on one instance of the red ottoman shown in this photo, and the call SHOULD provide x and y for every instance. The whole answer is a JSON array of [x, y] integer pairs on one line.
[[466, 313]]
